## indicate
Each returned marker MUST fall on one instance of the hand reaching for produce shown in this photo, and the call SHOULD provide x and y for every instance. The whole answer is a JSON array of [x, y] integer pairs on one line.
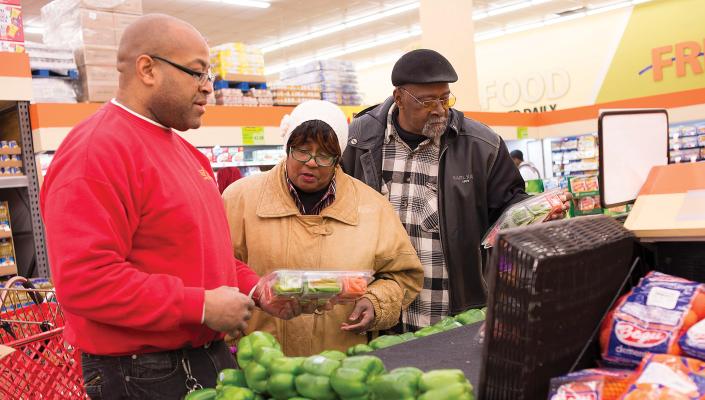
[[364, 314], [566, 198], [227, 310]]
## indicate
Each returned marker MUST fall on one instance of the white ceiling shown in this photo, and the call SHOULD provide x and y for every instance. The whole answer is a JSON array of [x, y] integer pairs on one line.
[[222, 23]]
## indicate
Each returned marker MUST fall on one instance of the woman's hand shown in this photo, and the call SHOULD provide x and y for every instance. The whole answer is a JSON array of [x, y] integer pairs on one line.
[[362, 316]]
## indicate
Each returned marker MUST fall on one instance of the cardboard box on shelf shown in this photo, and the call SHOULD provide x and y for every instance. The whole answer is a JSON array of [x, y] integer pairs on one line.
[[98, 37], [11, 23], [96, 91], [96, 55], [92, 73], [95, 19]]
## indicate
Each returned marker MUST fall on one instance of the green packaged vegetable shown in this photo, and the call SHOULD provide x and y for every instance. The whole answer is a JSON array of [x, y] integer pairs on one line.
[[350, 381], [283, 372], [248, 344], [334, 355], [470, 316], [202, 394], [288, 283], [385, 341], [314, 382], [359, 349], [231, 377], [447, 323], [445, 384], [235, 393], [257, 371], [398, 384], [428, 330]]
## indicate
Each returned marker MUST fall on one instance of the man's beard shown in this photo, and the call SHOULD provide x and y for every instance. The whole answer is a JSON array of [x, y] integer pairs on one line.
[[434, 127]]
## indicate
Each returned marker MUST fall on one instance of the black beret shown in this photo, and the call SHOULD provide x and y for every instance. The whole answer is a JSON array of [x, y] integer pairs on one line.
[[423, 66]]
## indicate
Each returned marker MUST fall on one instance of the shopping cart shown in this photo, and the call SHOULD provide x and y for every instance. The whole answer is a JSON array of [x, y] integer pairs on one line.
[[42, 366]]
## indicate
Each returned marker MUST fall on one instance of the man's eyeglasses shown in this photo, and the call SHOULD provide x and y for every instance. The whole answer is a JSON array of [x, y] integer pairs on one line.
[[445, 102], [201, 77], [304, 156]]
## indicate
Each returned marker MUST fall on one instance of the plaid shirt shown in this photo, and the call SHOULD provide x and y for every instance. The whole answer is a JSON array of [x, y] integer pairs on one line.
[[410, 183], [327, 199]]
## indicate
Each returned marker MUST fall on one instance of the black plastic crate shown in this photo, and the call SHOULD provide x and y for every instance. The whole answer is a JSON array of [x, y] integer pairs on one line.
[[549, 286]]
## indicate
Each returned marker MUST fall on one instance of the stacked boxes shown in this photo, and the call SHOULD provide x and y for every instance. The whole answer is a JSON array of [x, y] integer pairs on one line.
[[294, 95], [92, 29], [336, 79], [232, 59], [58, 60], [11, 31]]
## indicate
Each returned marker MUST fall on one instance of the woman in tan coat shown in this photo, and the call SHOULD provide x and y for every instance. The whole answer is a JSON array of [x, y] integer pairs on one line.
[[307, 214]]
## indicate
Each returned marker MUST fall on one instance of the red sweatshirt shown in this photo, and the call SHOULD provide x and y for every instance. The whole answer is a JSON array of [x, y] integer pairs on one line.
[[136, 231]]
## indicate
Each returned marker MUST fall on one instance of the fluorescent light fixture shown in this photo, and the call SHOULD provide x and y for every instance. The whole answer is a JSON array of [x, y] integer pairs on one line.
[[347, 24], [245, 3], [380, 41], [506, 9], [555, 20]]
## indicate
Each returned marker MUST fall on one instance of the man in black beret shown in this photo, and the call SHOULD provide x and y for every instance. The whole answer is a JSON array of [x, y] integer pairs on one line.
[[448, 177]]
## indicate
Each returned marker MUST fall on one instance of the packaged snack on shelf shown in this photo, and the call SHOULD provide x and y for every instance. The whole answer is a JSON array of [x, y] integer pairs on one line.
[[651, 319], [584, 184], [11, 23], [313, 288], [533, 210], [665, 376], [593, 384]]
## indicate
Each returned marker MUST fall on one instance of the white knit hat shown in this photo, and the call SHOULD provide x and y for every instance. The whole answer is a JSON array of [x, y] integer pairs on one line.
[[317, 110]]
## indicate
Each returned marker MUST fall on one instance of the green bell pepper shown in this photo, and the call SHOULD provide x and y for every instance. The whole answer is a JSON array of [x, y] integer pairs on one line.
[[427, 331], [248, 344], [235, 393], [398, 384], [470, 316], [202, 394], [334, 355], [407, 336], [231, 377], [314, 382], [257, 371], [440, 378], [283, 371], [350, 380], [359, 349], [447, 324], [385, 341], [455, 391]]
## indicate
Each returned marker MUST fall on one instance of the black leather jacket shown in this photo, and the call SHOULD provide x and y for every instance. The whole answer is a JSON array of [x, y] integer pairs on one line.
[[477, 180]]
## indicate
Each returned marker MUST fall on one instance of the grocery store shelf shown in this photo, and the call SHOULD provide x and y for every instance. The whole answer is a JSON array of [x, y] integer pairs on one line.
[[15, 77], [13, 182]]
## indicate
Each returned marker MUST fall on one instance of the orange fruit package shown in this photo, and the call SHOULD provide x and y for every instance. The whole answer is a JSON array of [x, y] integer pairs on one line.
[[666, 376]]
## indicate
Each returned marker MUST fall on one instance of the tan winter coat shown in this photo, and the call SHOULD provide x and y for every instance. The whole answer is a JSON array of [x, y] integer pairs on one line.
[[358, 231]]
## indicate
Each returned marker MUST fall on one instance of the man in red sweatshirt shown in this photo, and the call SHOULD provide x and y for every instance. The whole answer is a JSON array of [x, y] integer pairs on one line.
[[137, 236]]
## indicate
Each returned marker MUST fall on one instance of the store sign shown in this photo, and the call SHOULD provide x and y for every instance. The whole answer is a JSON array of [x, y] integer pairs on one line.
[[534, 88], [252, 135], [684, 57], [522, 132]]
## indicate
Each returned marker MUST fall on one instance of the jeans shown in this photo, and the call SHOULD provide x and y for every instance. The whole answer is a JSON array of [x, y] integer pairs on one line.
[[154, 375]]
